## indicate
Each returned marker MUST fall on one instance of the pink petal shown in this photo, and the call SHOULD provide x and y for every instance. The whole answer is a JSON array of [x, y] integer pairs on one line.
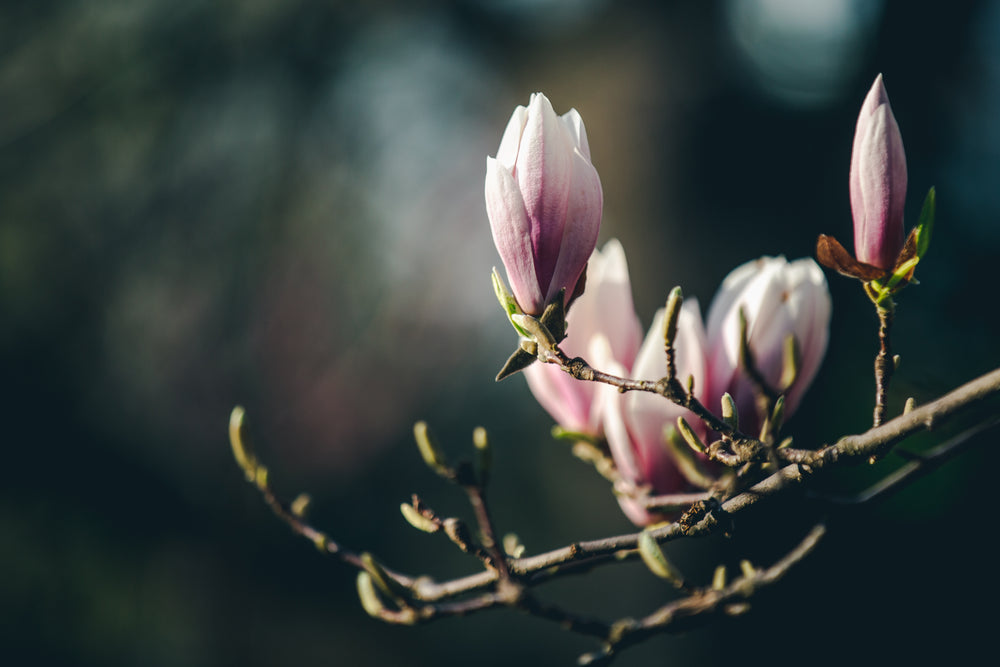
[[512, 235]]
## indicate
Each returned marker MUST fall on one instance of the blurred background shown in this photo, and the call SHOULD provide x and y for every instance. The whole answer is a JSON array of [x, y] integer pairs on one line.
[[279, 204]]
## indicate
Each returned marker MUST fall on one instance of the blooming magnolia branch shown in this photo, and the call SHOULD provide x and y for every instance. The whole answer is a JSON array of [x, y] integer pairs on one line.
[[398, 598], [687, 466]]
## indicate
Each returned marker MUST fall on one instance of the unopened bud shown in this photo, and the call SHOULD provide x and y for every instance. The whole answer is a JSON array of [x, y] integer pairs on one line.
[[877, 181], [300, 505], [690, 437], [656, 561], [418, 520], [260, 476], [512, 545], [670, 317], [719, 578], [791, 363], [746, 356], [730, 415], [242, 451], [382, 580], [774, 421], [687, 462], [370, 600], [429, 450], [484, 454]]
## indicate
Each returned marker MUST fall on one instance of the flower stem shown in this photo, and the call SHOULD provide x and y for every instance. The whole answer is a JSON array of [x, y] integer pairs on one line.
[[884, 362]]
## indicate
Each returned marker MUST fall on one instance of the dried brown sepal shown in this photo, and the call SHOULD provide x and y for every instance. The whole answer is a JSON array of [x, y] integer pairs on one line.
[[554, 315], [833, 255], [908, 253], [518, 361]]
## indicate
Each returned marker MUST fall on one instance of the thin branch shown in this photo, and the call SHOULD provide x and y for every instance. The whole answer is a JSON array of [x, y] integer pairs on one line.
[[704, 605], [422, 599], [884, 363], [878, 441], [919, 466], [497, 559], [668, 387]]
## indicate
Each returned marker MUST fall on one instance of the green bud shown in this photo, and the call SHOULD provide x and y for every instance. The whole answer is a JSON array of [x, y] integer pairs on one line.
[[687, 462], [748, 569], [719, 578], [383, 581], [260, 476], [775, 420], [746, 356], [656, 561], [672, 313], [791, 363], [418, 520], [429, 450], [729, 413], [690, 437], [370, 599], [512, 545], [300, 505], [242, 451], [484, 454]]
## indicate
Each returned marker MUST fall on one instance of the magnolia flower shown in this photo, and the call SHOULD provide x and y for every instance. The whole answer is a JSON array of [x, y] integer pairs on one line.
[[778, 298], [605, 310], [635, 423], [878, 181], [544, 201]]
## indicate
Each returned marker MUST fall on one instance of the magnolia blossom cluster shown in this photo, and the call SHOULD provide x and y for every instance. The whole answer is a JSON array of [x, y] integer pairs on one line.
[[544, 200], [777, 299]]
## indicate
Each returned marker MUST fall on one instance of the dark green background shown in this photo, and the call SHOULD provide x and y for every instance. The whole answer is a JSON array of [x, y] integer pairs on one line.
[[279, 204]]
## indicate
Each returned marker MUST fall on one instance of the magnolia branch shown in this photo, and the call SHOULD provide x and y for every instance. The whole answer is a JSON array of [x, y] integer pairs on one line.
[[505, 580]]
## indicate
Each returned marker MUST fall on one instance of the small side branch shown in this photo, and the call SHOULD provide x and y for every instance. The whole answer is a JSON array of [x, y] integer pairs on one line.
[[918, 466], [703, 605]]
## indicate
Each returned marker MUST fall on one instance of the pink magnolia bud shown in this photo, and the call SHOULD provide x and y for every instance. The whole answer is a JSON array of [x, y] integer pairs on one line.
[[878, 181], [544, 201], [778, 298], [605, 310], [635, 422]]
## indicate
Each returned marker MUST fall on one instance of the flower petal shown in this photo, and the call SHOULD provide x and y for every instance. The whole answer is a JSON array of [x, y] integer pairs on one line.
[[512, 235]]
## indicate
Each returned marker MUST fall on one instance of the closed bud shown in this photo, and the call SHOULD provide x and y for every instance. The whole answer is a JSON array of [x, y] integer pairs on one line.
[[877, 181], [418, 520], [544, 202], [654, 558], [730, 414]]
